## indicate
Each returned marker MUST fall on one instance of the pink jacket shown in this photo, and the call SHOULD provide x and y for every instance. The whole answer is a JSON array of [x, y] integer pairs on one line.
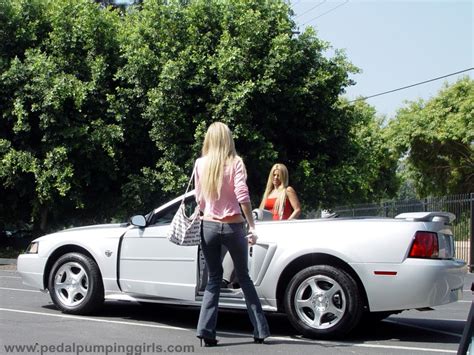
[[234, 190]]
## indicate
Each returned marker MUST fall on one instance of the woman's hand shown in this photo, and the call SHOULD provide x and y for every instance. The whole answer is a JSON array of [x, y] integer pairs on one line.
[[252, 236]]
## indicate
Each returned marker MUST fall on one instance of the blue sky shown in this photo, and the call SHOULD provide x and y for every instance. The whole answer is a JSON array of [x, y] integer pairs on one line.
[[395, 43]]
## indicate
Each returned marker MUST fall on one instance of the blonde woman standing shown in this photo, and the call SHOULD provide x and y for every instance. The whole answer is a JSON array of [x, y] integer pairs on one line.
[[279, 198], [222, 193]]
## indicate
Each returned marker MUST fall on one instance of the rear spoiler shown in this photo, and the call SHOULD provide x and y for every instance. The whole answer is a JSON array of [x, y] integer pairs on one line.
[[445, 217]]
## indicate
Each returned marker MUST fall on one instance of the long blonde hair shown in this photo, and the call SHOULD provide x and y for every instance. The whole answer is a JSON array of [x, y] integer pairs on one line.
[[279, 205], [219, 150]]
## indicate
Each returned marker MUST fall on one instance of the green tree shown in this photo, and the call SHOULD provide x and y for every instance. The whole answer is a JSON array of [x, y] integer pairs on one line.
[[58, 141], [103, 112], [436, 140], [369, 172], [191, 63]]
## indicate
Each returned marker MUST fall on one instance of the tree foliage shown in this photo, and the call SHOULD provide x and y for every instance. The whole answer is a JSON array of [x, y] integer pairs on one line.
[[240, 62], [369, 174], [58, 140], [103, 112], [436, 139]]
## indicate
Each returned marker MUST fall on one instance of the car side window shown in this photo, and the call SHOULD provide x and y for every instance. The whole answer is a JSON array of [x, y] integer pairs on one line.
[[165, 216]]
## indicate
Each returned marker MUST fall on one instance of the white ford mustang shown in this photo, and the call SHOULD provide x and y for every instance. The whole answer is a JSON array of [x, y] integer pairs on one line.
[[325, 274]]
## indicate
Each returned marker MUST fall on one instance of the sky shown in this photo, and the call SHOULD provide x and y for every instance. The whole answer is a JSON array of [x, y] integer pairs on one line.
[[395, 43]]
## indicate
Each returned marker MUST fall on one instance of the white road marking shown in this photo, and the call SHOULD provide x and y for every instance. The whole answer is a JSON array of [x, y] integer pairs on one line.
[[18, 289], [10, 277], [336, 343], [300, 340], [80, 318], [404, 348]]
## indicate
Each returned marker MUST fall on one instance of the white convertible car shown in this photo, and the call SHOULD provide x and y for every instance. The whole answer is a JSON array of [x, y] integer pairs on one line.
[[325, 274]]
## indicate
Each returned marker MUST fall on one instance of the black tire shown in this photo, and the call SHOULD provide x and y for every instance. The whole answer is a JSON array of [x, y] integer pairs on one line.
[[330, 302], [75, 284]]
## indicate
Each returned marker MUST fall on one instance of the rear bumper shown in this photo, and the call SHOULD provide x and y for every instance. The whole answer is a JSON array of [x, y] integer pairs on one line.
[[31, 268], [417, 283]]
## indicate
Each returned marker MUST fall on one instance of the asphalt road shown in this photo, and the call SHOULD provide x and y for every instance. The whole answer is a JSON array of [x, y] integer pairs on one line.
[[28, 318]]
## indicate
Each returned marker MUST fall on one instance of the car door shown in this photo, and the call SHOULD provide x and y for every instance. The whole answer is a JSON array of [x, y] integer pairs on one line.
[[150, 265]]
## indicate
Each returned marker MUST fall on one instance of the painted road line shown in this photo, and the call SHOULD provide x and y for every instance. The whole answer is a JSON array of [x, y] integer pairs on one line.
[[19, 289], [292, 339], [80, 318]]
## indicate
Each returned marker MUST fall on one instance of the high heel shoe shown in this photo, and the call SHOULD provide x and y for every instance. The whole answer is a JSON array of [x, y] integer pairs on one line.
[[258, 340], [208, 342]]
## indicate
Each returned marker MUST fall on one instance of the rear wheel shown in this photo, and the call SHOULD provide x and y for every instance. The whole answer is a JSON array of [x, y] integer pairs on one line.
[[75, 284], [323, 302]]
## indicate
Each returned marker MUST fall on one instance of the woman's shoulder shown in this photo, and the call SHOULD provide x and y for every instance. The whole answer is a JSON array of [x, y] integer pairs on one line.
[[200, 160], [199, 164], [291, 190], [237, 161]]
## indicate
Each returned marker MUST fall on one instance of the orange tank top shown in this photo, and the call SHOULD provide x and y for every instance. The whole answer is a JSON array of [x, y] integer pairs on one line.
[[287, 211]]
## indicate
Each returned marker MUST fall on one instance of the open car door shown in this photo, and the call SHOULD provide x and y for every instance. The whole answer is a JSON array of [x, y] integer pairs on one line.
[[152, 266]]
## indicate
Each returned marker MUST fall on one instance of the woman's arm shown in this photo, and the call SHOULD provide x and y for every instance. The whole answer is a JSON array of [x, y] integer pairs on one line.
[[294, 202], [242, 193]]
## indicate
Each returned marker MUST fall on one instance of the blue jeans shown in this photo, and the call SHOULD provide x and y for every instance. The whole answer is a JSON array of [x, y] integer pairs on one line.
[[232, 236]]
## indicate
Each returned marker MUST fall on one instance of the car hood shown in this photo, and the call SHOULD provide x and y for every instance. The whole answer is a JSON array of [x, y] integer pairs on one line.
[[118, 226], [110, 230]]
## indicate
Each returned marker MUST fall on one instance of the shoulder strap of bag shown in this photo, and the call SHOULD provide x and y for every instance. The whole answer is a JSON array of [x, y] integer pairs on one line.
[[189, 184]]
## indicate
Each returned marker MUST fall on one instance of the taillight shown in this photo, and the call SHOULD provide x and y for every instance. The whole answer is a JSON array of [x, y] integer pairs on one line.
[[425, 245]]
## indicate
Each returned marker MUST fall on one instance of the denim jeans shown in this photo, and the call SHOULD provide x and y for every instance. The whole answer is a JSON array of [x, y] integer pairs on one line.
[[232, 236]]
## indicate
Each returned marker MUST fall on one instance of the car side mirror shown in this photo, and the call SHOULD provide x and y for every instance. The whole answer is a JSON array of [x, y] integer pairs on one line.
[[138, 221]]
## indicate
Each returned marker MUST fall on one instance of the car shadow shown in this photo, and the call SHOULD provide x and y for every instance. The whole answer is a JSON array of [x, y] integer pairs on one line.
[[417, 330], [235, 321]]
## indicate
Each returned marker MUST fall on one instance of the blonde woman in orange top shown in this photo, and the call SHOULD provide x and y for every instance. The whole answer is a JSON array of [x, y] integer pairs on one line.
[[279, 198]]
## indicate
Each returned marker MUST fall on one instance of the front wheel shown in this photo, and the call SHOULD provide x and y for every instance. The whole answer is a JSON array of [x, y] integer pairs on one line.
[[75, 284], [323, 302]]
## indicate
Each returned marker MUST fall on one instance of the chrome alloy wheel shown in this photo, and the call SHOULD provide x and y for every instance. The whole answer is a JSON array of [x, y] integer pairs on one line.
[[320, 302], [71, 284]]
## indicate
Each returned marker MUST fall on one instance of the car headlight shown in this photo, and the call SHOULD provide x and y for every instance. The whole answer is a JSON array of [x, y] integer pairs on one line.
[[32, 248]]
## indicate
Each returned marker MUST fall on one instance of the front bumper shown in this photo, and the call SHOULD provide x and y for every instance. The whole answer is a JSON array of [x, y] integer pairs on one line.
[[31, 268]]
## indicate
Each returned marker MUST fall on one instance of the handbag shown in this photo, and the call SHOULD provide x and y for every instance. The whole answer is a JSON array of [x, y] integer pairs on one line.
[[184, 230]]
